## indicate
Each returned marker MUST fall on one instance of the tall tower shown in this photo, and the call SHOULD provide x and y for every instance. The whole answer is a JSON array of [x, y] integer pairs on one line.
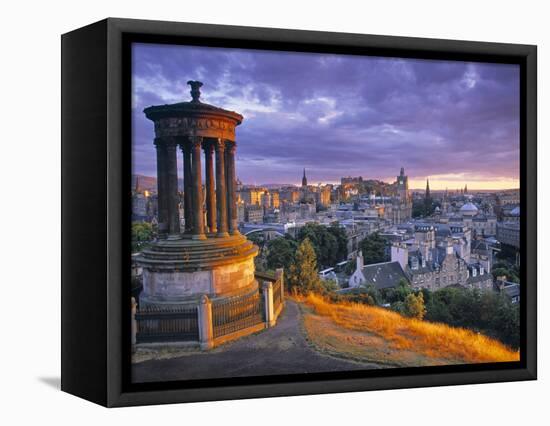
[[403, 186], [402, 210], [304, 178], [427, 200], [445, 203], [427, 196]]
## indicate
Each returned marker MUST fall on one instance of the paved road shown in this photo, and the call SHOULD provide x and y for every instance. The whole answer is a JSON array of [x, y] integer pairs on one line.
[[278, 350]]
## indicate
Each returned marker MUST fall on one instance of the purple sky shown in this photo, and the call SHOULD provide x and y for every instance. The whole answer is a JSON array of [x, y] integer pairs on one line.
[[336, 115]]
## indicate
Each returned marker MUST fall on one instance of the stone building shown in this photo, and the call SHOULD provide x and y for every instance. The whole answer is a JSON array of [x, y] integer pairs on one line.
[[511, 215], [251, 195], [469, 215], [508, 233], [380, 275], [439, 256], [322, 195], [254, 214], [289, 194], [265, 200], [401, 206], [144, 206], [275, 199]]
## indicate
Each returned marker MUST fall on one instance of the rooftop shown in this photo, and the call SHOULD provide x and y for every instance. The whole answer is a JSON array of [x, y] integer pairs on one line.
[[384, 275], [468, 207]]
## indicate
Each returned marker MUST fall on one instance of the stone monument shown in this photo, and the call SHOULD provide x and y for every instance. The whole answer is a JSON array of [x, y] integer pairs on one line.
[[209, 256]]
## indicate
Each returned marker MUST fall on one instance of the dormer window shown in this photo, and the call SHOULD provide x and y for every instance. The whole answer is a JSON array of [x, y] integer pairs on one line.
[[474, 272]]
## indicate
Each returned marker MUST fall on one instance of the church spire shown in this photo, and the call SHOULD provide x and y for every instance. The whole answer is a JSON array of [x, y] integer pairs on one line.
[[304, 178], [427, 200]]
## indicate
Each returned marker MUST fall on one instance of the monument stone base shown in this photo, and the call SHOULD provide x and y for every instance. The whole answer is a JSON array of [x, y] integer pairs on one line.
[[179, 271]]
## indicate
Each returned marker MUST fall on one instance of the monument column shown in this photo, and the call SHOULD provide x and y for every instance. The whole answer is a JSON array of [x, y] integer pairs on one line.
[[210, 190], [231, 179], [161, 187], [187, 186], [198, 217], [221, 194], [172, 188]]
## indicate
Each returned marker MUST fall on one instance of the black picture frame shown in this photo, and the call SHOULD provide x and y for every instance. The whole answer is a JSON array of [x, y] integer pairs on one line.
[[95, 193]]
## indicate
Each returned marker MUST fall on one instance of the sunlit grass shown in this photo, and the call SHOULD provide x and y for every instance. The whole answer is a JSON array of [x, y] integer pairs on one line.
[[430, 339]]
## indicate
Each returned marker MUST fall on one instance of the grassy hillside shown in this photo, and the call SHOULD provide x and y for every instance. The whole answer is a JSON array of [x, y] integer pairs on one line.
[[377, 334]]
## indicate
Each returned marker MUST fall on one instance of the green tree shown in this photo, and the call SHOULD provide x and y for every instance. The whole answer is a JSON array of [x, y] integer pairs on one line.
[[349, 267], [506, 271], [324, 243], [403, 290], [506, 320], [303, 274], [341, 239], [281, 252], [423, 207], [373, 294], [329, 285], [374, 249], [398, 307], [485, 311], [414, 305], [142, 235], [258, 239]]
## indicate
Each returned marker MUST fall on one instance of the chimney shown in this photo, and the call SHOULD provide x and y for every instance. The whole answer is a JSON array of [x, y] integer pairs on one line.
[[360, 261], [450, 248]]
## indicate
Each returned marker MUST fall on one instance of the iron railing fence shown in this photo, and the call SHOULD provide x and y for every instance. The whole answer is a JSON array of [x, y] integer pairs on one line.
[[236, 314], [175, 324]]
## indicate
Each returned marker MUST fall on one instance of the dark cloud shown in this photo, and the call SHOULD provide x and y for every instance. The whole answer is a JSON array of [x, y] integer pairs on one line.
[[341, 115]]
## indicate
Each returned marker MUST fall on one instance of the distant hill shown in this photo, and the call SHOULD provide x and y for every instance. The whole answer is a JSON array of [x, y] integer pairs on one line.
[[148, 183], [275, 185], [144, 182]]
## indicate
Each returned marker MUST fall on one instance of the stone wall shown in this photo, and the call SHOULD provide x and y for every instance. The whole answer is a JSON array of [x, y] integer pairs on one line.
[[233, 277], [178, 286]]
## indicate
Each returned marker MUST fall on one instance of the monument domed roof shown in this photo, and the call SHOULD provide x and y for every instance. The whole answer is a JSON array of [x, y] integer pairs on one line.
[[469, 208], [191, 108]]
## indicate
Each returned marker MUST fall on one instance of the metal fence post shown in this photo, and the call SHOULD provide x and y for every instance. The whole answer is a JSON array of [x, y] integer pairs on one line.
[[268, 303], [206, 332], [133, 323]]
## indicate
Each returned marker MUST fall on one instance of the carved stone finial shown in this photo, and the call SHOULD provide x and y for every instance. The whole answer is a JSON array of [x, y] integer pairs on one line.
[[195, 90]]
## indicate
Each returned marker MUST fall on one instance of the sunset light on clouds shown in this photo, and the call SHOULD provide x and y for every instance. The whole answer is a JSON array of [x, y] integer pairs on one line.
[[453, 122]]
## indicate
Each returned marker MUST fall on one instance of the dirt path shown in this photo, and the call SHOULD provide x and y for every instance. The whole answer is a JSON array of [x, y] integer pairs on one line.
[[282, 349]]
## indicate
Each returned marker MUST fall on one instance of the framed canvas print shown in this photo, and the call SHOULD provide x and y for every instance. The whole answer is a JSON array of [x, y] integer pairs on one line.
[[252, 212]]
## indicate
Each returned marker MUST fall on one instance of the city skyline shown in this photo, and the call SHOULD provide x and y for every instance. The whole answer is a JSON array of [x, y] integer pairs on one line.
[[420, 187], [340, 115]]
